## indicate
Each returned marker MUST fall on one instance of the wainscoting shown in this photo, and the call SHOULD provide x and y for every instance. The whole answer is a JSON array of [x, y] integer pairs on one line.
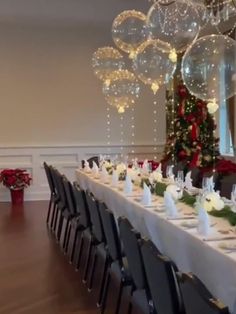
[[65, 158]]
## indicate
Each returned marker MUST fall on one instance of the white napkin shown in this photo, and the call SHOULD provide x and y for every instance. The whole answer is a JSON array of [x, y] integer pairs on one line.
[[188, 181], [135, 163], [115, 178], [203, 222], [171, 209], [210, 184], [104, 174], [128, 186], [158, 169], [145, 167], [147, 196], [95, 169], [86, 166]]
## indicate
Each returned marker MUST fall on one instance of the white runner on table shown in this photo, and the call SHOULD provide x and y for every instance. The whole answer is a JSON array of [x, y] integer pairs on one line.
[[215, 268]]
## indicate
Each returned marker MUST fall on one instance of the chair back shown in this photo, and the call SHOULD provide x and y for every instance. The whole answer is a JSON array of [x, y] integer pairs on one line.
[[110, 232], [227, 184], [69, 196], [97, 228], [162, 280], [90, 161], [61, 189], [130, 239], [47, 169], [197, 299], [81, 206], [180, 166], [195, 176]]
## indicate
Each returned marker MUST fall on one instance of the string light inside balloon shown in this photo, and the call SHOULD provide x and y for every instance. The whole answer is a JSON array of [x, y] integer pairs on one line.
[[121, 136], [132, 130], [155, 128], [108, 131]]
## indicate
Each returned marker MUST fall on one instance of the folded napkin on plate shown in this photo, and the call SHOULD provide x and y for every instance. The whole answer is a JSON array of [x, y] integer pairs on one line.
[[95, 169], [128, 186], [170, 207], [158, 169], [145, 167], [203, 222], [86, 166], [115, 178], [210, 184], [147, 196], [104, 174], [188, 181]]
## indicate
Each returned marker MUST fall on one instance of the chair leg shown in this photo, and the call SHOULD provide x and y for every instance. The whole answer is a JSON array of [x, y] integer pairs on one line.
[[63, 232], [49, 210], [71, 242], [88, 258], [52, 215], [58, 226], [57, 214], [125, 302], [78, 250], [97, 275], [114, 289], [91, 267], [67, 237]]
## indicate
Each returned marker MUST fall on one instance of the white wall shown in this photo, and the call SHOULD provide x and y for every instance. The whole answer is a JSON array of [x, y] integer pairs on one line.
[[50, 99]]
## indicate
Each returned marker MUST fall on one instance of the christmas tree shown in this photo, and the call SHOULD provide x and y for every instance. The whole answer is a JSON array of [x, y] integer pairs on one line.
[[191, 137]]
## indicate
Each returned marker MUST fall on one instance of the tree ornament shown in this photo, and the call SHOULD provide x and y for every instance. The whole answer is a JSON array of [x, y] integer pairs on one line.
[[129, 31], [212, 107]]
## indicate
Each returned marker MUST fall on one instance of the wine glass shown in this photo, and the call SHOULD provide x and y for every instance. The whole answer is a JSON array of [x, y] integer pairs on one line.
[[180, 179], [205, 185], [233, 197]]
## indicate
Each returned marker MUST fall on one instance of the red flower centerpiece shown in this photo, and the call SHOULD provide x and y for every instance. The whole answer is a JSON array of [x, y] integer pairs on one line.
[[16, 180]]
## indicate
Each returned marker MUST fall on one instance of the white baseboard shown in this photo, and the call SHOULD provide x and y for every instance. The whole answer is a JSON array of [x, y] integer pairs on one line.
[[66, 158]]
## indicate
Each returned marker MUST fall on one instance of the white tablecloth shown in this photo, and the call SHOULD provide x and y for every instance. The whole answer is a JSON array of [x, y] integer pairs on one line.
[[185, 247]]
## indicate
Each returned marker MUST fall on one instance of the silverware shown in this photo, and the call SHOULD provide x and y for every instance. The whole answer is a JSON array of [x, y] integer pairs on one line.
[[181, 218], [219, 239]]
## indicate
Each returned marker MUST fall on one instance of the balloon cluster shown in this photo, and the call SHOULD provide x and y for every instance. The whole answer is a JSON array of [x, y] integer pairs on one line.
[[152, 43]]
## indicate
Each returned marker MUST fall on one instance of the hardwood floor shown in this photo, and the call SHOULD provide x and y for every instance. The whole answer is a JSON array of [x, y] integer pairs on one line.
[[35, 277]]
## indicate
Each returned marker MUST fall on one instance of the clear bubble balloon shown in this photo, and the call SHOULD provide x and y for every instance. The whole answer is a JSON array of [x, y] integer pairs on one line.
[[154, 63], [123, 90], [209, 67], [129, 31], [176, 22], [105, 61]]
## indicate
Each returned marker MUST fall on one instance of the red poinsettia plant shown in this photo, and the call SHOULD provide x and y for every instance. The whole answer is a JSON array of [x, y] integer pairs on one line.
[[15, 179]]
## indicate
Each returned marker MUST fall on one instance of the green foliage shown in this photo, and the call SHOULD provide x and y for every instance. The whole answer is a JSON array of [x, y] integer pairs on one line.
[[188, 199], [225, 213], [160, 188]]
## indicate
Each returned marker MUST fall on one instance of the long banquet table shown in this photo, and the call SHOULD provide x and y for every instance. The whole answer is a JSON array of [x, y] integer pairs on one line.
[[185, 247]]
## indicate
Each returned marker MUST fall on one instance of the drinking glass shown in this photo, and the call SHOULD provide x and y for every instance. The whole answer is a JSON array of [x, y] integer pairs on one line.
[[180, 179], [205, 185], [233, 196]]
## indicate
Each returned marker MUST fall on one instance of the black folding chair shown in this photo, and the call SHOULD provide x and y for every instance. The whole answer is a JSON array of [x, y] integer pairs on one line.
[[197, 299], [141, 300], [90, 161], [162, 280], [79, 225], [115, 279], [53, 194]]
